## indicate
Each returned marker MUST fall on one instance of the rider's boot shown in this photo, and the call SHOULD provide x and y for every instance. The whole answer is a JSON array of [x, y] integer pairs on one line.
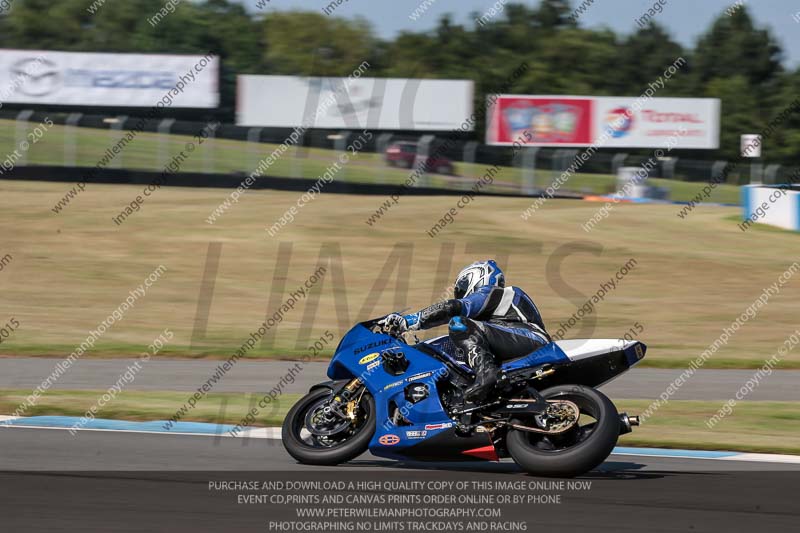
[[485, 368], [470, 340]]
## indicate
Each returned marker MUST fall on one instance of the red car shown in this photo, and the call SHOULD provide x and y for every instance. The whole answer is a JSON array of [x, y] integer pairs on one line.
[[403, 154]]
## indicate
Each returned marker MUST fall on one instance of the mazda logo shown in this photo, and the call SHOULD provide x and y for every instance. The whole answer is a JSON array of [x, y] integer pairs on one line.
[[37, 76]]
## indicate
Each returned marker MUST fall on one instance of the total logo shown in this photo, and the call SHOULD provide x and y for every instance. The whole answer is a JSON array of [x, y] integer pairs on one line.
[[389, 440], [619, 122]]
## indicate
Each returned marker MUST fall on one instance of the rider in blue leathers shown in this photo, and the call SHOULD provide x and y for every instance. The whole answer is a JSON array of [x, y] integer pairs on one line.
[[487, 321]]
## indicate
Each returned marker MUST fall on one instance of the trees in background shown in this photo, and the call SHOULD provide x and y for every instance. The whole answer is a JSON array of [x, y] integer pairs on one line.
[[734, 60]]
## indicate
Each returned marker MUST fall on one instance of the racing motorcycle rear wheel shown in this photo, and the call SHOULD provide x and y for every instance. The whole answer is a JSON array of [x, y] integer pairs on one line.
[[313, 434], [574, 452]]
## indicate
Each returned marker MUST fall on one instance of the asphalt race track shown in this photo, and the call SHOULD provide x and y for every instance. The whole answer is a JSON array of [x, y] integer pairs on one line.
[[121, 481], [58, 450], [130, 479]]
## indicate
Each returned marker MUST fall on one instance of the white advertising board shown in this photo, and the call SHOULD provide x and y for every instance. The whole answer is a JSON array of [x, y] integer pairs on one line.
[[354, 103], [101, 79]]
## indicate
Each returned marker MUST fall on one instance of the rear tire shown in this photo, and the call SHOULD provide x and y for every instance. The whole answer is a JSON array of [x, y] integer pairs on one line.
[[340, 453], [531, 455]]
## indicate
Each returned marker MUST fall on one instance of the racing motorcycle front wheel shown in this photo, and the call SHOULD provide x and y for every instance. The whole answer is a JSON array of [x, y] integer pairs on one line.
[[589, 440], [318, 430]]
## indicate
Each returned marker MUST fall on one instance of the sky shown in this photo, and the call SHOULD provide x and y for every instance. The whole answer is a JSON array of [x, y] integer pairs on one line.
[[686, 20]]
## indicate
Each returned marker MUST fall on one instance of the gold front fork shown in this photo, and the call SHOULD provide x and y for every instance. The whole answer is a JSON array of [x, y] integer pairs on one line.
[[352, 405]]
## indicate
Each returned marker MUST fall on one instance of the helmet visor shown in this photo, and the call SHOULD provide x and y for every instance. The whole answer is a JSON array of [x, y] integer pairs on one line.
[[462, 284]]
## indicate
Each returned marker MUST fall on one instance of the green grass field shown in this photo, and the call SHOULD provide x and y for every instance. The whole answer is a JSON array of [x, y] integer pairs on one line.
[[222, 155], [753, 427], [770, 427], [222, 408], [69, 271]]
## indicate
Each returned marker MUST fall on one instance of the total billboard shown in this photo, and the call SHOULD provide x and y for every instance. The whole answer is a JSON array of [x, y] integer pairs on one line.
[[605, 122], [354, 103], [100, 79]]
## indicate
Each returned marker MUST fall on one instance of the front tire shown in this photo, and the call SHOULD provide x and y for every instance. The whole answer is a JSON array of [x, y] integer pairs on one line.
[[578, 450], [310, 450]]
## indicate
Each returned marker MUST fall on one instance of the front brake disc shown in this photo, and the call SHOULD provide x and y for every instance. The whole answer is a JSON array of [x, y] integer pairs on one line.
[[323, 421]]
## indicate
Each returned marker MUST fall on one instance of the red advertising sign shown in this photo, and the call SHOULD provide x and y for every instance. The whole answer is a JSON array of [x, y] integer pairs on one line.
[[603, 121], [550, 120]]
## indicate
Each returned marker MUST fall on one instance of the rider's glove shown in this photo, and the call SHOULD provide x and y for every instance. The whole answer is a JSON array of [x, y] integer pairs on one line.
[[393, 324], [412, 321]]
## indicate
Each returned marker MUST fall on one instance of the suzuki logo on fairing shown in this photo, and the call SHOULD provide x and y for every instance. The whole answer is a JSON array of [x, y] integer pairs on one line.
[[366, 347]]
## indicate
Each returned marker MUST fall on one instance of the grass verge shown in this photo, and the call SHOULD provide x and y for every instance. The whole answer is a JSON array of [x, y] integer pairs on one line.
[[221, 408], [66, 273], [767, 427]]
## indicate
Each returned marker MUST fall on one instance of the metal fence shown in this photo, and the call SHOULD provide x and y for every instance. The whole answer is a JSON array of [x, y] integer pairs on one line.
[[76, 139]]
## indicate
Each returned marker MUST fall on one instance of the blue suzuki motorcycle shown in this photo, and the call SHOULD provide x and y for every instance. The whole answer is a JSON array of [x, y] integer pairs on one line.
[[405, 401]]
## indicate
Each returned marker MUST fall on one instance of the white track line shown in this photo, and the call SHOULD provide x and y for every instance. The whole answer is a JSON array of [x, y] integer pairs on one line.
[[763, 458], [258, 433]]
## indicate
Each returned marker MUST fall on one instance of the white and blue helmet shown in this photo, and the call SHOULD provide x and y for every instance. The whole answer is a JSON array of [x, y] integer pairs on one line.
[[477, 275]]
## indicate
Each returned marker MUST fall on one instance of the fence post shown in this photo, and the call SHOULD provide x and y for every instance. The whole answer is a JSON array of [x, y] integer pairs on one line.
[[529, 170], [253, 141], [163, 141], [771, 174], [469, 158], [209, 162], [116, 126], [669, 167], [617, 161], [297, 170], [717, 168], [21, 133], [421, 160], [382, 142], [340, 146], [470, 151], [70, 139], [755, 172]]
